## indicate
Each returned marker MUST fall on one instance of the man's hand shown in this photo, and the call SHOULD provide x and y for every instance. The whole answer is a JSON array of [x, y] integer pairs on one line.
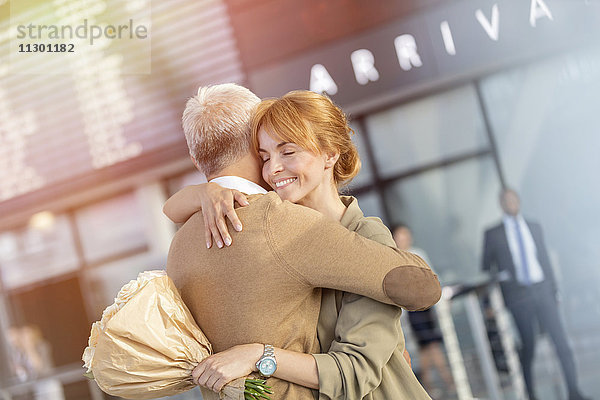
[[216, 371]]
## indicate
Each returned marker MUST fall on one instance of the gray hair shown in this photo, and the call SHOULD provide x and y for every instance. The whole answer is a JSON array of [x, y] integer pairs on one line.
[[216, 123]]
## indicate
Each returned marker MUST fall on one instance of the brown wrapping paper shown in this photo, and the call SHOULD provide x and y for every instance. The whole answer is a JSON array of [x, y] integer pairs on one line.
[[149, 347]]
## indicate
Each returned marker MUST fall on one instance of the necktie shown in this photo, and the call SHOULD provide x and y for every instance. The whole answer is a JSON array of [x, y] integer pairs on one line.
[[522, 254]]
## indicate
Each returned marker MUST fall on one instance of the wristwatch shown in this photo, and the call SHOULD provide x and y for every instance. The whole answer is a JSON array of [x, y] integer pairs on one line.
[[267, 364]]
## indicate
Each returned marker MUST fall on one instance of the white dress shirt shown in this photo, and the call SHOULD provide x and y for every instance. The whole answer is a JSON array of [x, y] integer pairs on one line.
[[237, 183], [511, 224]]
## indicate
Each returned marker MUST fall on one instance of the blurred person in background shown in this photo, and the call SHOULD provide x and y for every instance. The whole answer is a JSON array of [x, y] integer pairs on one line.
[[515, 250], [307, 154], [424, 326]]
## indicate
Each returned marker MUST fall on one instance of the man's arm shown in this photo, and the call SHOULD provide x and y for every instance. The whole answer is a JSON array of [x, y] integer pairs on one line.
[[542, 253], [322, 253]]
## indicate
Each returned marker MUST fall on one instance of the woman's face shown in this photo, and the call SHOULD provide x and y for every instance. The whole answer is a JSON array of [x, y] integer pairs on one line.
[[296, 174]]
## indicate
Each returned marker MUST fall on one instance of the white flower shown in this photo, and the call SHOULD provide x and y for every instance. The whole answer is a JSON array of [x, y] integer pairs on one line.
[[134, 286], [109, 312], [127, 292], [124, 295], [93, 340], [149, 275], [88, 356]]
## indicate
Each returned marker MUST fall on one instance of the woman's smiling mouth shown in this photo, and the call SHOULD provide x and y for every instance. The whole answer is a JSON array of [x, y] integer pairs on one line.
[[284, 182]]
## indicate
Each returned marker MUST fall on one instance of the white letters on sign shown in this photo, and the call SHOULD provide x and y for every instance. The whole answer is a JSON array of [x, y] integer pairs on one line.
[[492, 29], [321, 81], [363, 63], [538, 10], [447, 37], [363, 60], [406, 50]]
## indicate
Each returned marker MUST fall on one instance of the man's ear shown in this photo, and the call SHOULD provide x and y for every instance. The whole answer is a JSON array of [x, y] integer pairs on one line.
[[331, 157]]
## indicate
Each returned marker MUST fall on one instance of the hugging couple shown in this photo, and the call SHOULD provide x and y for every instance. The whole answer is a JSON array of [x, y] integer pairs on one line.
[[308, 291]]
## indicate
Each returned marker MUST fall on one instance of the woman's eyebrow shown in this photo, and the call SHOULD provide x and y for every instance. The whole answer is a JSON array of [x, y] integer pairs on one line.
[[279, 145]]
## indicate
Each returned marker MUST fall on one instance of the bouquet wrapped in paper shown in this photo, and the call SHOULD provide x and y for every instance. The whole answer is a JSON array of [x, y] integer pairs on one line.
[[147, 344]]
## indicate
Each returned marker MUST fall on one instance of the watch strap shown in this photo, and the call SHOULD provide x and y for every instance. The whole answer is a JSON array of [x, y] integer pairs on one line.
[[269, 351]]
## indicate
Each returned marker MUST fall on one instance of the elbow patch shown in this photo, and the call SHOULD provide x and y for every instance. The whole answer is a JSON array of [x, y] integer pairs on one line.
[[413, 288]]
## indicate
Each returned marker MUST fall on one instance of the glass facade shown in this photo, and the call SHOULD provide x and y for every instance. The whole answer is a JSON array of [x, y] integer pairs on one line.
[[426, 131], [440, 161]]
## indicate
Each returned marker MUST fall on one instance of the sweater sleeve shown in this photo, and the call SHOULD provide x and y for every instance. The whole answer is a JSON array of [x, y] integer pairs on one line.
[[320, 252], [366, 334]]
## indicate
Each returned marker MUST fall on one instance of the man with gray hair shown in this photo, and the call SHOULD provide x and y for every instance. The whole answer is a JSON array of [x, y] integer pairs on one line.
[[265, 289]]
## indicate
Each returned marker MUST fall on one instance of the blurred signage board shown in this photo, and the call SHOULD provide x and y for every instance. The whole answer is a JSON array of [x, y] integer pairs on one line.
[[458, 39], [87, 122]]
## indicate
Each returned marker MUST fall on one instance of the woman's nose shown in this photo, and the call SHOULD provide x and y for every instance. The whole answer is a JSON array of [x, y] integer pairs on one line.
[[275, 166]]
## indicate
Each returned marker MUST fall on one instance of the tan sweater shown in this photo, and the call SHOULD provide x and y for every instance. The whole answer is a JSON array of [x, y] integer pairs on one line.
[[264, 288], [361, 339]]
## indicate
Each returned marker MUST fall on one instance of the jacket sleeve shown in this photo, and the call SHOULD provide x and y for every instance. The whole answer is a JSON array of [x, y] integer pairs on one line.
[[366, 334], [320, 252]]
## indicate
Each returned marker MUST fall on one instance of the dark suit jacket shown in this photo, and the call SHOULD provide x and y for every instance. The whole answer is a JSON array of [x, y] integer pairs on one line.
[[497, 258]]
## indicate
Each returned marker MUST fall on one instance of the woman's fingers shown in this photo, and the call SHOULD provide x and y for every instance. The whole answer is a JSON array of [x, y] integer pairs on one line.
[[230, 210], [223, 231], [214, 231], [212, 379], [209, 375], [240, 198], [207, 232], [217, 205], [219, 384], [196, 372], [215, 215], [204, 373]]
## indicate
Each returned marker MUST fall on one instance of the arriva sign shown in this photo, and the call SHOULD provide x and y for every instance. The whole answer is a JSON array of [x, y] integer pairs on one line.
[[407, 52], [457, 39]]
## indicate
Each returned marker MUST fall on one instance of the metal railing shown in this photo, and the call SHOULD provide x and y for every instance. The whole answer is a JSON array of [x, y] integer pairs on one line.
[[472, 294]]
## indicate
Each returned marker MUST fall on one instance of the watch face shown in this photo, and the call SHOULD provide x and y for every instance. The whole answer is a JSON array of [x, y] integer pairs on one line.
[[267, 366]]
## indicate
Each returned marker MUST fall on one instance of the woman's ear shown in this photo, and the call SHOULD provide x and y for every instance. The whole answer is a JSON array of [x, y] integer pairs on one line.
[[331, 157]]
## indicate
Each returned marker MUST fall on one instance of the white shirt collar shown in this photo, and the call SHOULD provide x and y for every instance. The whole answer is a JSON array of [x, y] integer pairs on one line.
[[509, 219], [241, 184]]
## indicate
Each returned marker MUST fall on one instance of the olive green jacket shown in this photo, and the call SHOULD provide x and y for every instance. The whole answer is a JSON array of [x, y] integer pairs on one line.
[[362, 338]]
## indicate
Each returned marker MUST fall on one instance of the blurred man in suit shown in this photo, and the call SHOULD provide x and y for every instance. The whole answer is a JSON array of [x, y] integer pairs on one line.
[[515, 250]]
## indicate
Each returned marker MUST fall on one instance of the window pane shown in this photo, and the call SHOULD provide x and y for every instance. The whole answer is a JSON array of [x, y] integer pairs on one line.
[[447, 209], [49, 327], [365, 176], [111, 227], [105, 281], [545, 119], [38, 252], [427, 131], [370, 205]]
